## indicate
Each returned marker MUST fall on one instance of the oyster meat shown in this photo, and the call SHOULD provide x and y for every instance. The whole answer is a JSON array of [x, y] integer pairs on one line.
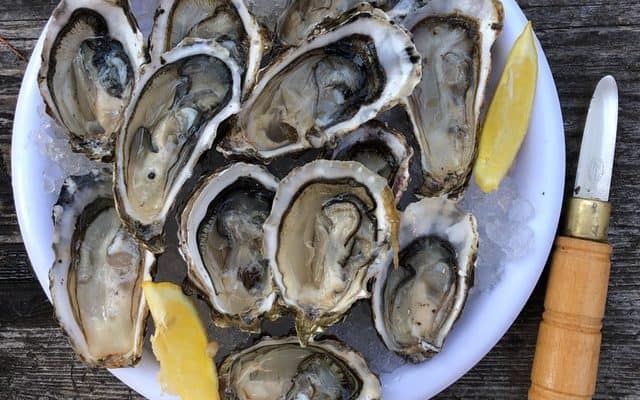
[[90, 59], [173, 118], [326, 87], [454, 38], [279, 369], [330, 224], [226, 21], [416, 304], [221, 241], [97, 274], [381, 149], [303, 18]]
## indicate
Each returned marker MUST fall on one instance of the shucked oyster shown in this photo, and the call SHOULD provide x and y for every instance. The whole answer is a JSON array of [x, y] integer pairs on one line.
[[454, 38], [173, 118], [381, 149], [226, 21], [97, 274], [303, 17], [221, 240], [325, 88], [90, 60], [331, 223], [279, 369], [416, 304]]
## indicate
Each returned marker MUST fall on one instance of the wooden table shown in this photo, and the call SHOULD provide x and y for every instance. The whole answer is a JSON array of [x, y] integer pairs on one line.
[[583, 40]]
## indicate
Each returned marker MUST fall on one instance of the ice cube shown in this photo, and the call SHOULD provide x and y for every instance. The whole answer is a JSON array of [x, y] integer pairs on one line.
[[519, 243], [521, 210], [144, 10]]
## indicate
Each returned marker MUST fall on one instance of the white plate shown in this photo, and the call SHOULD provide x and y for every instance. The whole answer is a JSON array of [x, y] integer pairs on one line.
[[539, 173]]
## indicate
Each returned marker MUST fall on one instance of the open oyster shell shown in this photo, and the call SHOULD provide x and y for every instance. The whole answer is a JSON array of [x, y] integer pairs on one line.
[[281, 369], [416, 304], [326, 87], [303, 18], [96, 277], [221, 241], [90, 59], [381, 149], [226, 21], [331, 223], [173, 118], [454, 38]]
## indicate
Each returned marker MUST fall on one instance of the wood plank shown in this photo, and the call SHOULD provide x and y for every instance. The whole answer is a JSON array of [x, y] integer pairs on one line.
[[24, 304], [38, 363]]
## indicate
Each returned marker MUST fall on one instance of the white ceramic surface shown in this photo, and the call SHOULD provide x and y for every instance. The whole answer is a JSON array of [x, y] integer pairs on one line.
[[539, 173]]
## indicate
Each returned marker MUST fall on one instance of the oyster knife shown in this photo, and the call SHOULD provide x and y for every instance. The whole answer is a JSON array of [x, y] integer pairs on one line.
[[565, 364]]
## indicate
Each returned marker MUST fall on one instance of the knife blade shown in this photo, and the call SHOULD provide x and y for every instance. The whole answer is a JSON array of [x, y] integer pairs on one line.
[[593, 177], [565, 364]]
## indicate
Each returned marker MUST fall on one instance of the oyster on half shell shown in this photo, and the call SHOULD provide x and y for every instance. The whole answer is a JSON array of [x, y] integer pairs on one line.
[[303, 18], [331, 224], [416, 304], [97, 274], [380, 148], [221, 241], [281, 369], [226, 21], [325, 88], [454, 38], [90, 59], [172, 119]]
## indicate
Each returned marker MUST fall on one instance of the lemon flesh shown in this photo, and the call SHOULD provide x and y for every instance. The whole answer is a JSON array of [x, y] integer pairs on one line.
[[508, 116], [180, 344]]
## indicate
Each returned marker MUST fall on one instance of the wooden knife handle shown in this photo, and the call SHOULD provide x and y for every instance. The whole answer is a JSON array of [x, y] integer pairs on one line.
[[565, 364]]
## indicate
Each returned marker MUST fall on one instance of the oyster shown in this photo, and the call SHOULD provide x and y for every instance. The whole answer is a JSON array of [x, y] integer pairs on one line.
[[173, 118], [221, 241], [326, 87], [90, 59], [416, 304], [303, 18], [279, 369], [455, 38], [227, 21], [330, 225], [381, 149], [97, 274]]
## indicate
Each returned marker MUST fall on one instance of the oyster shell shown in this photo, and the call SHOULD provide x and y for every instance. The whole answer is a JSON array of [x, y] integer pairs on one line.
[[381, 149], [221, 241], [96, 277], [326, 88], [330, 225], [416, 304], [281, 369], [173, 118], [90, 59], [303, 18], [455, 38], [227, 21]]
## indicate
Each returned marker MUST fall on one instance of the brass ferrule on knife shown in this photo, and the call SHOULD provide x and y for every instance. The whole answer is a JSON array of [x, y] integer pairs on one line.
[[587, 219]]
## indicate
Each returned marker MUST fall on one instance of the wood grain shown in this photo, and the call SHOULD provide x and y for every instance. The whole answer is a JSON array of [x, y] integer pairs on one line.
[[565, 364], [583, 40]]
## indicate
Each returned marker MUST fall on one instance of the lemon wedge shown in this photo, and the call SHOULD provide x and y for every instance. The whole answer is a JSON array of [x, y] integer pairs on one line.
[[508, 116], [180, 344]]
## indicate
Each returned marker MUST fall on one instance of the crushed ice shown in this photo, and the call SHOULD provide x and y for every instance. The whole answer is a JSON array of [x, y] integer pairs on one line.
[[144, 12], [53, 144], [503, 224]]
